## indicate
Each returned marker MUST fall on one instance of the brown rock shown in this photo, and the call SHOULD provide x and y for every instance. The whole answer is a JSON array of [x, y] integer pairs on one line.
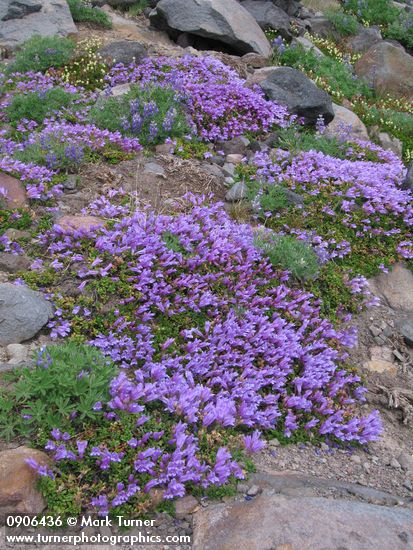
[[16, 193], [382, 353], [395, 287], [14, 234], [234, 158], [18, 492], [388, 69], [186, 506], [11, 263], [77, 223], [301, 523], [255, 60], [380, 366]]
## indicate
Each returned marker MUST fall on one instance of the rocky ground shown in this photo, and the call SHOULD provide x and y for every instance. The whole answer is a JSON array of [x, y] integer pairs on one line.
[[301, 496]]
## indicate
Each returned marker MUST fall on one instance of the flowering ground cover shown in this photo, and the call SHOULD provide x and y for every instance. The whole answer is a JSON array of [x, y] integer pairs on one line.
[[212, 343], [215, 344]]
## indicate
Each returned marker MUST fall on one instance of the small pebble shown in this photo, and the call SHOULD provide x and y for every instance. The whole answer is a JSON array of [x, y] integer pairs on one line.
[[407, 484], [17, 353], [394, 464], [253, 491]]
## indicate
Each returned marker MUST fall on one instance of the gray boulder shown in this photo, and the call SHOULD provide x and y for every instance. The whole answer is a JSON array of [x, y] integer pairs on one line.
[[364, 39], [301, 522], [238, 192], [323, 27], [291, 7], [16, 9], [224, 23], [123, 51], [299, 94], [269, 16], [21, 19], [23, 313]]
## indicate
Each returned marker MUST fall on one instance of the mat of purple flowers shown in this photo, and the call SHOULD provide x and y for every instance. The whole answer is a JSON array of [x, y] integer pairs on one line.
[[207, 332]]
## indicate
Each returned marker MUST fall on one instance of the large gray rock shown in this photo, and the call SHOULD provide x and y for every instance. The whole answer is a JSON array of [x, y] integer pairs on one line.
[[269, 16], [23, 313], [364, 39], [302, 523], [224, 22], [323, 27], [17, 9], [21, 19], [388, 69], [123, 51], [296, 91], [291, 7]]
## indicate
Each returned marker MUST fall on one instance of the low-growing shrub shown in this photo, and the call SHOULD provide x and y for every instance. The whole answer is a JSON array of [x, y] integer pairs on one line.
[[82, 12], [87, 68], [345, 23], [63, 146], [138, 7], [152, 114], [334, 76], [58, 392], [297, 139], [372, 12], [289, 253], [38, 105], [402, 30], [39, 53]]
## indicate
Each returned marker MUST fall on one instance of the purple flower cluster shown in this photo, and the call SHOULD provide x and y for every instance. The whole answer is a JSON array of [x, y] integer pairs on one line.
[[361, 192], [38, 178], [83, 135], [220, 105]]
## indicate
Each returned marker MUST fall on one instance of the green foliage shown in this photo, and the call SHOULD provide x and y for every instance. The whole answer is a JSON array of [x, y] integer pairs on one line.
[[151, 105], [391, 119], [87, 68], [36, 106], [189, 149], [289, 253], [53, 153], [402, 30], [373, 12], [62, 500], [83, 13], [297, 139], [345, 23], [138, 7], [9, 220], [60, 391], [39, 53], [332, 75], [274, 199]]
